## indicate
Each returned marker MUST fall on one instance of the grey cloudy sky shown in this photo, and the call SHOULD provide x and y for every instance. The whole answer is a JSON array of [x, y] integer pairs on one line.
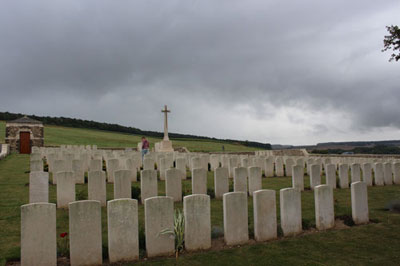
[[289, 72]]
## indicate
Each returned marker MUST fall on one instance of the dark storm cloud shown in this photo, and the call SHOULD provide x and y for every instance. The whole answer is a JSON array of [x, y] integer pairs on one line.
[[117, 61]]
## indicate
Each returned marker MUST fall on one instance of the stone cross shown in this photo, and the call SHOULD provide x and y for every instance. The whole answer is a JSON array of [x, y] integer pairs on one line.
[[165, 111]]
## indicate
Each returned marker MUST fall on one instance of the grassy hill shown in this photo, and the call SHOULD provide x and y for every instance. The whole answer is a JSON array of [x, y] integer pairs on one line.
[[57, 135]]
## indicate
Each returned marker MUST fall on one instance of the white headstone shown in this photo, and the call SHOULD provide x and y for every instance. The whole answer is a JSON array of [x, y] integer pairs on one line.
[[254, 179], [330, 173], [265, 225], [344, 175], [290, 203], [387, 174], [85, 235], [97, 186], [355, 172], [315, 175], [235, 218], [396, 173], [324, 213], [181, 166], [379, 175], [159, 216], [38, 187], [221, 182], [196, 210], [65, 189], [123, 184], [38, 234], [148, 184], [173, 184], [199, 181], [240, 179], [359, 203], [298, 177], [123, 230]]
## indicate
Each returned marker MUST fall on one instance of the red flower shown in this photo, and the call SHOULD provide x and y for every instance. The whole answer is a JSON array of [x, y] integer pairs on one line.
[[63, 234]]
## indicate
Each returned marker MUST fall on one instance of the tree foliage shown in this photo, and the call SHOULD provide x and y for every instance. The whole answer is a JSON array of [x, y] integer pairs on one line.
[[392, 42]]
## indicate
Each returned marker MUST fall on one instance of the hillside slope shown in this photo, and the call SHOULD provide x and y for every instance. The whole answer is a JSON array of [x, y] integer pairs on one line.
[[57, 135]]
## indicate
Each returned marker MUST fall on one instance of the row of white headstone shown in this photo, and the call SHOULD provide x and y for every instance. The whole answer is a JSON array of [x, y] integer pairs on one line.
[[38, 223], [245, 180]]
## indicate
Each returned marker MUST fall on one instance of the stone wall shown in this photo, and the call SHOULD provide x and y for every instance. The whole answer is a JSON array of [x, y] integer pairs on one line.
[[12, 134]]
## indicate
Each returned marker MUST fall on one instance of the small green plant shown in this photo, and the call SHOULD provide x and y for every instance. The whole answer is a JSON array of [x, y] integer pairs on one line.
[[177, 232]]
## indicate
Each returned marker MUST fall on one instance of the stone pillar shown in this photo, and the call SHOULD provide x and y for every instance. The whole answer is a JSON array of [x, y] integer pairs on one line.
[[298, 177], [279, 166], [123, 184], [265, 225], [379, 181], [236, 230], [112, 166], [290, 203], [199, 181], [181, 166], [158, 216], [123, 230], [240, 179], [367, 173], [148, 164], [65, 189], [396, 173], [173, 184], [387, 174], [355, 172], [97, 186], [38, 187], [38, 234], [85, 237], [359, 202], [344, 175], [96, 165], [196, 210], [148, 184], [254, 179], [269, 166], [221, 182], [324, 213], [315, 176], [330, 173]]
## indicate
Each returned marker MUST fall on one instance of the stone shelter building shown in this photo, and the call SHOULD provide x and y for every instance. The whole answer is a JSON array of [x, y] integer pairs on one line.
[[24, 133]]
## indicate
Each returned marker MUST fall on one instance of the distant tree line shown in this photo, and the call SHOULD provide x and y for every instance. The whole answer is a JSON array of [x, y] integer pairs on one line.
[[378, 149], [79, 123]]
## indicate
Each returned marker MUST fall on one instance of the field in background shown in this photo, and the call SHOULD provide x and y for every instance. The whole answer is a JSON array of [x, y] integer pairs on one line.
[[374, 244], [56, 135]]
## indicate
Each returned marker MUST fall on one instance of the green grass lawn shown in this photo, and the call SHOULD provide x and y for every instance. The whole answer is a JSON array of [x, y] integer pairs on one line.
[[377, 243], [56, 135]]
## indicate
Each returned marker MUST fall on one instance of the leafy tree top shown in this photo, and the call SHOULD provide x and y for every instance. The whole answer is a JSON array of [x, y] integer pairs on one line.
[[392, 42]]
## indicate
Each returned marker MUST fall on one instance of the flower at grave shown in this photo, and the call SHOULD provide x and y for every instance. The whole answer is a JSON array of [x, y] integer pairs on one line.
[[63, 234]]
